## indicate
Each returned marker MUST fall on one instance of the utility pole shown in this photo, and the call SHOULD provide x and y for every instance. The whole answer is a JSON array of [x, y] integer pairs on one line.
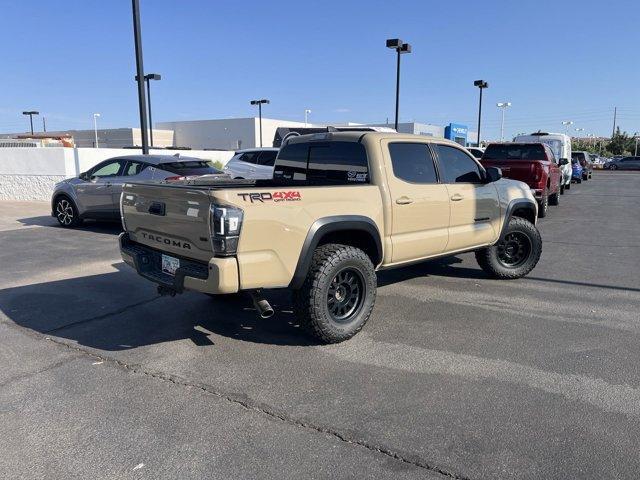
[[44, 124], [137, 36], [615, 115]]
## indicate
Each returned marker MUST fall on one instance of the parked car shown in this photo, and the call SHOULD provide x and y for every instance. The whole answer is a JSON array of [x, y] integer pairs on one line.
[[340, 206], [585, 160], [576, 171], [95, 194], [252, 163], [560, 145], [476, 152], [531, 163], [625, 163]]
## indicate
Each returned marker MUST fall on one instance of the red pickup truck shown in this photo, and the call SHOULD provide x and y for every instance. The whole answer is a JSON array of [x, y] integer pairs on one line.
[[531, 163]]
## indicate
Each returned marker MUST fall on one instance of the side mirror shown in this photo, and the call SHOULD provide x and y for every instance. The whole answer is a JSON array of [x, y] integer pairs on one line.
[[564, 161], [84, 176], [493, 174]]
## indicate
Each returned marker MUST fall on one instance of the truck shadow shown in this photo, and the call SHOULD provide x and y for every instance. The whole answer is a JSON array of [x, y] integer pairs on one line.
[[112, 227], [119, 311]]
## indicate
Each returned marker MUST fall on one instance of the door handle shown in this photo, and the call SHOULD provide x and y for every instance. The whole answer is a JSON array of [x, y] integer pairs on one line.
[[457, 197], [404, 201]]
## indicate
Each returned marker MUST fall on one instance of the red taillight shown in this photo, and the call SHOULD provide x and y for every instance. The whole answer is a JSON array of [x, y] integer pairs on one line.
[[538, 171]]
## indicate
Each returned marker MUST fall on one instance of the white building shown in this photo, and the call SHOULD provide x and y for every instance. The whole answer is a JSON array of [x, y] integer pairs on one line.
[[226, 133], [109, 137]]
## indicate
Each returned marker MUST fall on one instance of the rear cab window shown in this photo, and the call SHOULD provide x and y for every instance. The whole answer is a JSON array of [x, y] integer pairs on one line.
[[323, 163], [510, 152]]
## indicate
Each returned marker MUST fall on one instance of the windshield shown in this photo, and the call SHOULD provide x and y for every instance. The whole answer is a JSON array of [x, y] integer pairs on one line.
[[514, 152]]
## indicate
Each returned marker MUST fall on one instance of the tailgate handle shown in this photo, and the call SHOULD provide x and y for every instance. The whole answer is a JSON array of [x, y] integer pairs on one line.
[[157, 208]]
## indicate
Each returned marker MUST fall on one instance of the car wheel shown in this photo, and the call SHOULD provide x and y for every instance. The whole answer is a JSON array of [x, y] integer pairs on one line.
[[562, 189], [66, 212], [578, 180], [613, 167], [568, 186], [543, 205], [516, 253], [336, 298], [555, 198]]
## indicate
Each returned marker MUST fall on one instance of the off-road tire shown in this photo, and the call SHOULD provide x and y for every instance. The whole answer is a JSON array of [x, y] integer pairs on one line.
[[489, 258], [66, 212], [543, 205], [311, 301], [555, 198]]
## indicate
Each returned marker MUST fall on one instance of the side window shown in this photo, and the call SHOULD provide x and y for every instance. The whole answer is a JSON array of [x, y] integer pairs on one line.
[[134, 168], [551, 155], [337, 163], [457, 166], [412, 162], [249, 157], [267, 158], [109, 169]]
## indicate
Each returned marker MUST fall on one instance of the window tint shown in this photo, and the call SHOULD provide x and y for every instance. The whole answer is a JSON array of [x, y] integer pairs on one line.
[[134, 168], [249, 157], [190, 167], [323, 163], [457, 166], [291, 163], [267, 158], [514, 151], [109, 169], [412, 162]]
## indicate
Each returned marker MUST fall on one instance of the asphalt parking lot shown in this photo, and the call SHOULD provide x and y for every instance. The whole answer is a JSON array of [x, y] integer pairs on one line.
[[455, 375]]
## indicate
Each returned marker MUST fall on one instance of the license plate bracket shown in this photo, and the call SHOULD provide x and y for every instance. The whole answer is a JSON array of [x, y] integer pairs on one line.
[[170, 264]]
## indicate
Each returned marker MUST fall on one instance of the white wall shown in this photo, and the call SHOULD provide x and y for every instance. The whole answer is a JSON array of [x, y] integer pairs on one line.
[[31, 173]]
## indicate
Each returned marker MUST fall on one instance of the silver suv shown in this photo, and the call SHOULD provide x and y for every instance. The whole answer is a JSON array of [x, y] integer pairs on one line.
[[253, 163], [95, 194]]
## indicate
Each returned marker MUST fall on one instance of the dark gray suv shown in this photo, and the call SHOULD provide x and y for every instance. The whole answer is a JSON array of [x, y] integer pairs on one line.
[[95, 194]]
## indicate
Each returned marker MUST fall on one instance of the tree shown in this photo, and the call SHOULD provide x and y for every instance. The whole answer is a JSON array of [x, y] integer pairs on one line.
[[621, 143]]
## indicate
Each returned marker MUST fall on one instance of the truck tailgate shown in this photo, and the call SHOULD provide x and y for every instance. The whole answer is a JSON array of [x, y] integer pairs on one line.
[[521, 170], [171, 219]]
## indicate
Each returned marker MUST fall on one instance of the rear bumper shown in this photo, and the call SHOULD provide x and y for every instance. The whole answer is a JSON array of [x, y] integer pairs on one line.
[[219, 276]]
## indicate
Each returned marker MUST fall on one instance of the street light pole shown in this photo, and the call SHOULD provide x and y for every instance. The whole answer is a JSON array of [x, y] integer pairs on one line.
[[481, 84], [137, 36], [148, 78], [503, 106], [637, 137], [567, 124], [259, 103], [306, 112], [95, 128], [400, 47], [31, 113]]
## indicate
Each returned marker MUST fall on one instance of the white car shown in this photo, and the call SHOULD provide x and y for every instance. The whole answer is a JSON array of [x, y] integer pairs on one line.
[[252, 163], [476, 152]]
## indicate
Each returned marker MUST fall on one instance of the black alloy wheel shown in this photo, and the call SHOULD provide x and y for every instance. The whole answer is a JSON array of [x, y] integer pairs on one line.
[[345, 295], [514, 249]]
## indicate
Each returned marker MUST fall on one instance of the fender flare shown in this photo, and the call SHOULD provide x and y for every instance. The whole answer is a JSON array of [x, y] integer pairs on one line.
[[326, 225], [514, 205]]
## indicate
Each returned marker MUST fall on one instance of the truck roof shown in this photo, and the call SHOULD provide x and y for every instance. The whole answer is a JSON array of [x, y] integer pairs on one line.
[[357, 136]]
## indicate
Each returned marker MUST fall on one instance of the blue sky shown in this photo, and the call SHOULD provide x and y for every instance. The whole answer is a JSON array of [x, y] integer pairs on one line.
[[563, 60]]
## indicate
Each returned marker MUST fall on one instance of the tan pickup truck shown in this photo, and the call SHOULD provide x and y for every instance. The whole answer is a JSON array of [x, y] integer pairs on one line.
[[340, 207]]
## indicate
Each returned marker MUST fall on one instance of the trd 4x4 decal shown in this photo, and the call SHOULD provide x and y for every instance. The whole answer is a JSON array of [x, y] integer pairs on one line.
[[281, 196]]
